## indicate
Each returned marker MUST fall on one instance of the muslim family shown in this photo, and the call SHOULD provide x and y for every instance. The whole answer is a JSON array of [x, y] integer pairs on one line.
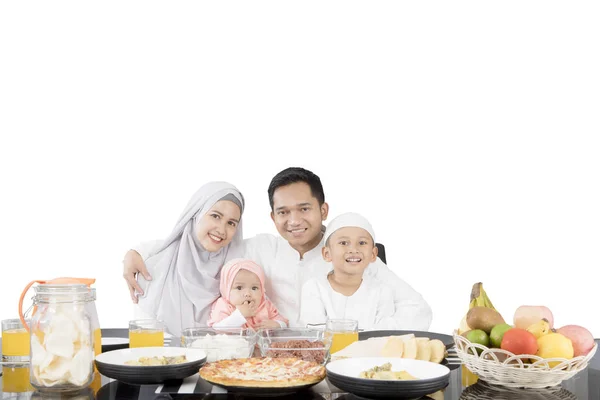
[[205, 274]]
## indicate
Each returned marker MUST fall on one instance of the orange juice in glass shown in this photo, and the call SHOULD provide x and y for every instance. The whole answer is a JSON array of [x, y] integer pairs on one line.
[[15, 341], [343, 333], [97, 341], [146, 333], [15, 379]]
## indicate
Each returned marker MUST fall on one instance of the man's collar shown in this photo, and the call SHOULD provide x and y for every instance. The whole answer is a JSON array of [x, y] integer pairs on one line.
[[315, 251]]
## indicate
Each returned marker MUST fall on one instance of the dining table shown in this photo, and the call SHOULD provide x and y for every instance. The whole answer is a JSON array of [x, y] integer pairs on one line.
[[14, 384]]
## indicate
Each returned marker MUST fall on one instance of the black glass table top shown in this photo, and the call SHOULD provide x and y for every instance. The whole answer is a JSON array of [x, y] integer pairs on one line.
[[14, 384]]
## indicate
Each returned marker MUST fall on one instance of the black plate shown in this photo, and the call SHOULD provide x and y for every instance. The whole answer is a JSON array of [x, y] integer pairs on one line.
[[110, 364], [375, 389], [150, 375], [448, 340], [115, 333]]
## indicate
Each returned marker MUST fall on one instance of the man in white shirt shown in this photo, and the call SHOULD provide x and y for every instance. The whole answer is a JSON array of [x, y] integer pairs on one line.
[[298, 209]]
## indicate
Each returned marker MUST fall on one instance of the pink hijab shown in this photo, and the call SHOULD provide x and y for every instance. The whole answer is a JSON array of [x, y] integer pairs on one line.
[[222, 308]]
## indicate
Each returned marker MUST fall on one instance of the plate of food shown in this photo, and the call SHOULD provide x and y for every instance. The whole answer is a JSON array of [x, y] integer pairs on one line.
[[150, 365], [399, 344], [448, 340], [264, 376], [388, 377]]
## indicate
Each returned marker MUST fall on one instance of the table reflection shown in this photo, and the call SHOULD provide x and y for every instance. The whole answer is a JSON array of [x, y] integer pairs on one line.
[[483, 391]]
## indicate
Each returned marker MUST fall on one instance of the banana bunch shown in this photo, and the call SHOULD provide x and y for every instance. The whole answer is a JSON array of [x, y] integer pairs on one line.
[[479, 298]]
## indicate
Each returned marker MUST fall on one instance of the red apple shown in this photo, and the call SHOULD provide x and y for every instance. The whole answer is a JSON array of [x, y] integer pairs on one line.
[[519, 341]]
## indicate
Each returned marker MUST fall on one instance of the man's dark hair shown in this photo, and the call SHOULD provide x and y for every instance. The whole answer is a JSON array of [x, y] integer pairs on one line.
[[293, 175]]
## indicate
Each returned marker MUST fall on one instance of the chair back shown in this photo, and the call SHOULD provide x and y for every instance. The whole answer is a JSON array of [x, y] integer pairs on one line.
[[381, 252]]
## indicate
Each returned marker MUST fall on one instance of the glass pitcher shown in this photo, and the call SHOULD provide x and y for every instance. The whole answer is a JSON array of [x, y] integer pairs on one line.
[[62, 336], [90, 305]]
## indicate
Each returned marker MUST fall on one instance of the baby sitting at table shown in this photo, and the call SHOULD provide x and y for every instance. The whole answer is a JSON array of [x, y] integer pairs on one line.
[[346, 292], [243, 302]]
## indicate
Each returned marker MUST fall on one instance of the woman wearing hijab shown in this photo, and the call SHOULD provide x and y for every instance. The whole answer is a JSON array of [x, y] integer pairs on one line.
[[185, 268], [243, 301]]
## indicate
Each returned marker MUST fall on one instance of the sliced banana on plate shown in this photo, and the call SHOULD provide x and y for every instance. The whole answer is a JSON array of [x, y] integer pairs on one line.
[[423, 350], [438, 350], [410, 349]]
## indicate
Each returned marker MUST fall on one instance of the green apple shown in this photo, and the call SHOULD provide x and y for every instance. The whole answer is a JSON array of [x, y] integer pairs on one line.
[[497, 334]]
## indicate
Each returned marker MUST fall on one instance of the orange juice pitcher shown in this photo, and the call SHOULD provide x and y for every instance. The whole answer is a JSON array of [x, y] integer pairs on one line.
[[89, 304]]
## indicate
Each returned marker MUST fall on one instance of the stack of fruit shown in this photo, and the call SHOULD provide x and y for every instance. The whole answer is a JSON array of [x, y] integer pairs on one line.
[[532, 331]]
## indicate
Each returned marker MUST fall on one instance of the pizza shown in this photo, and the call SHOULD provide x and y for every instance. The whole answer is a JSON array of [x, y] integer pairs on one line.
[[263, 372]]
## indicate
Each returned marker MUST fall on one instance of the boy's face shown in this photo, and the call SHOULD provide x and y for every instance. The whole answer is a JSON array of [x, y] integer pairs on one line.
[[217, 227], [246, 287], [298, 216], [350, 250]]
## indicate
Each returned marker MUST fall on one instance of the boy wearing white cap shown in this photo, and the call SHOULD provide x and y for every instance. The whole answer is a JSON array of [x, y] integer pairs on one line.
[[346, 292]]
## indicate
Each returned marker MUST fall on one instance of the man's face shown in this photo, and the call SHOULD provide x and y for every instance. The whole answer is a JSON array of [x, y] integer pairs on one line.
[[298, 216], [350, 250]]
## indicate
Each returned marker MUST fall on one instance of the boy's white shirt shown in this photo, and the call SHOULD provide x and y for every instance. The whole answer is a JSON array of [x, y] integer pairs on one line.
[[372, 305], [286, 275]]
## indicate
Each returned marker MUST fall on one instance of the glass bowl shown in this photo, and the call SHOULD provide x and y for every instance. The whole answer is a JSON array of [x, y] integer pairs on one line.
[[306, 344], [220, 343]]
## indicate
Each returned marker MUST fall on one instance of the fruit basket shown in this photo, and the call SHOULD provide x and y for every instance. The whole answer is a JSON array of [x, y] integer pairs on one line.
[[501, 367]]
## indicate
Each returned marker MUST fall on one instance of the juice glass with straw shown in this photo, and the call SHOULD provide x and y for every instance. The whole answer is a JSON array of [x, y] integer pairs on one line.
[[343, 333], [15, 342], [146, 333]]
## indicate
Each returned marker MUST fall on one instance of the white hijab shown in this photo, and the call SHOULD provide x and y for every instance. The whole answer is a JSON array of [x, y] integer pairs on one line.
[[185, 277]]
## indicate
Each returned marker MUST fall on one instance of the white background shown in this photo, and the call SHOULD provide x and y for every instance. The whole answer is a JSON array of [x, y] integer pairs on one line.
[[466, 132]]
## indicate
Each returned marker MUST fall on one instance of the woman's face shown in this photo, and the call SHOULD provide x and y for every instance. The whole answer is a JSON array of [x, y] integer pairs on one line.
[[218, 226]]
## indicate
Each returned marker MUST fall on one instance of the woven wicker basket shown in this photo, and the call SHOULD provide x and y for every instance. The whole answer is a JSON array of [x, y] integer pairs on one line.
[[501, 367]]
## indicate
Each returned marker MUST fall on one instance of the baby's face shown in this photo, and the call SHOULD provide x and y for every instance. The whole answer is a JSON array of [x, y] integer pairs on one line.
[[217, 227], [246, 287], [350, 250]]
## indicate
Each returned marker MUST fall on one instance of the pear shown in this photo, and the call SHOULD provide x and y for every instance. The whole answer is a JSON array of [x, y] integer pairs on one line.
[[483, 318]]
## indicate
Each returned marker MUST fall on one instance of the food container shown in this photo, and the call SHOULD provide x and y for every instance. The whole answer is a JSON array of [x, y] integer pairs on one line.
[[62, 339], [220, 344], [306, 344]]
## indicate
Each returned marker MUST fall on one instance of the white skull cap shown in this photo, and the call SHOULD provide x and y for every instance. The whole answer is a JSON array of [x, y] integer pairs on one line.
[[346, 220]]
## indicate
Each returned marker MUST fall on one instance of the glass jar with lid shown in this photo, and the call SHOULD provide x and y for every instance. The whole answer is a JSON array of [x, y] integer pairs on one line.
[[62, 337]]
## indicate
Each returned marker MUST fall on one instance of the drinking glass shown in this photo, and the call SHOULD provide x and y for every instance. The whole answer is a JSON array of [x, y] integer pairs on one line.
[[15, 342], [146, 333], [343, 332]]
